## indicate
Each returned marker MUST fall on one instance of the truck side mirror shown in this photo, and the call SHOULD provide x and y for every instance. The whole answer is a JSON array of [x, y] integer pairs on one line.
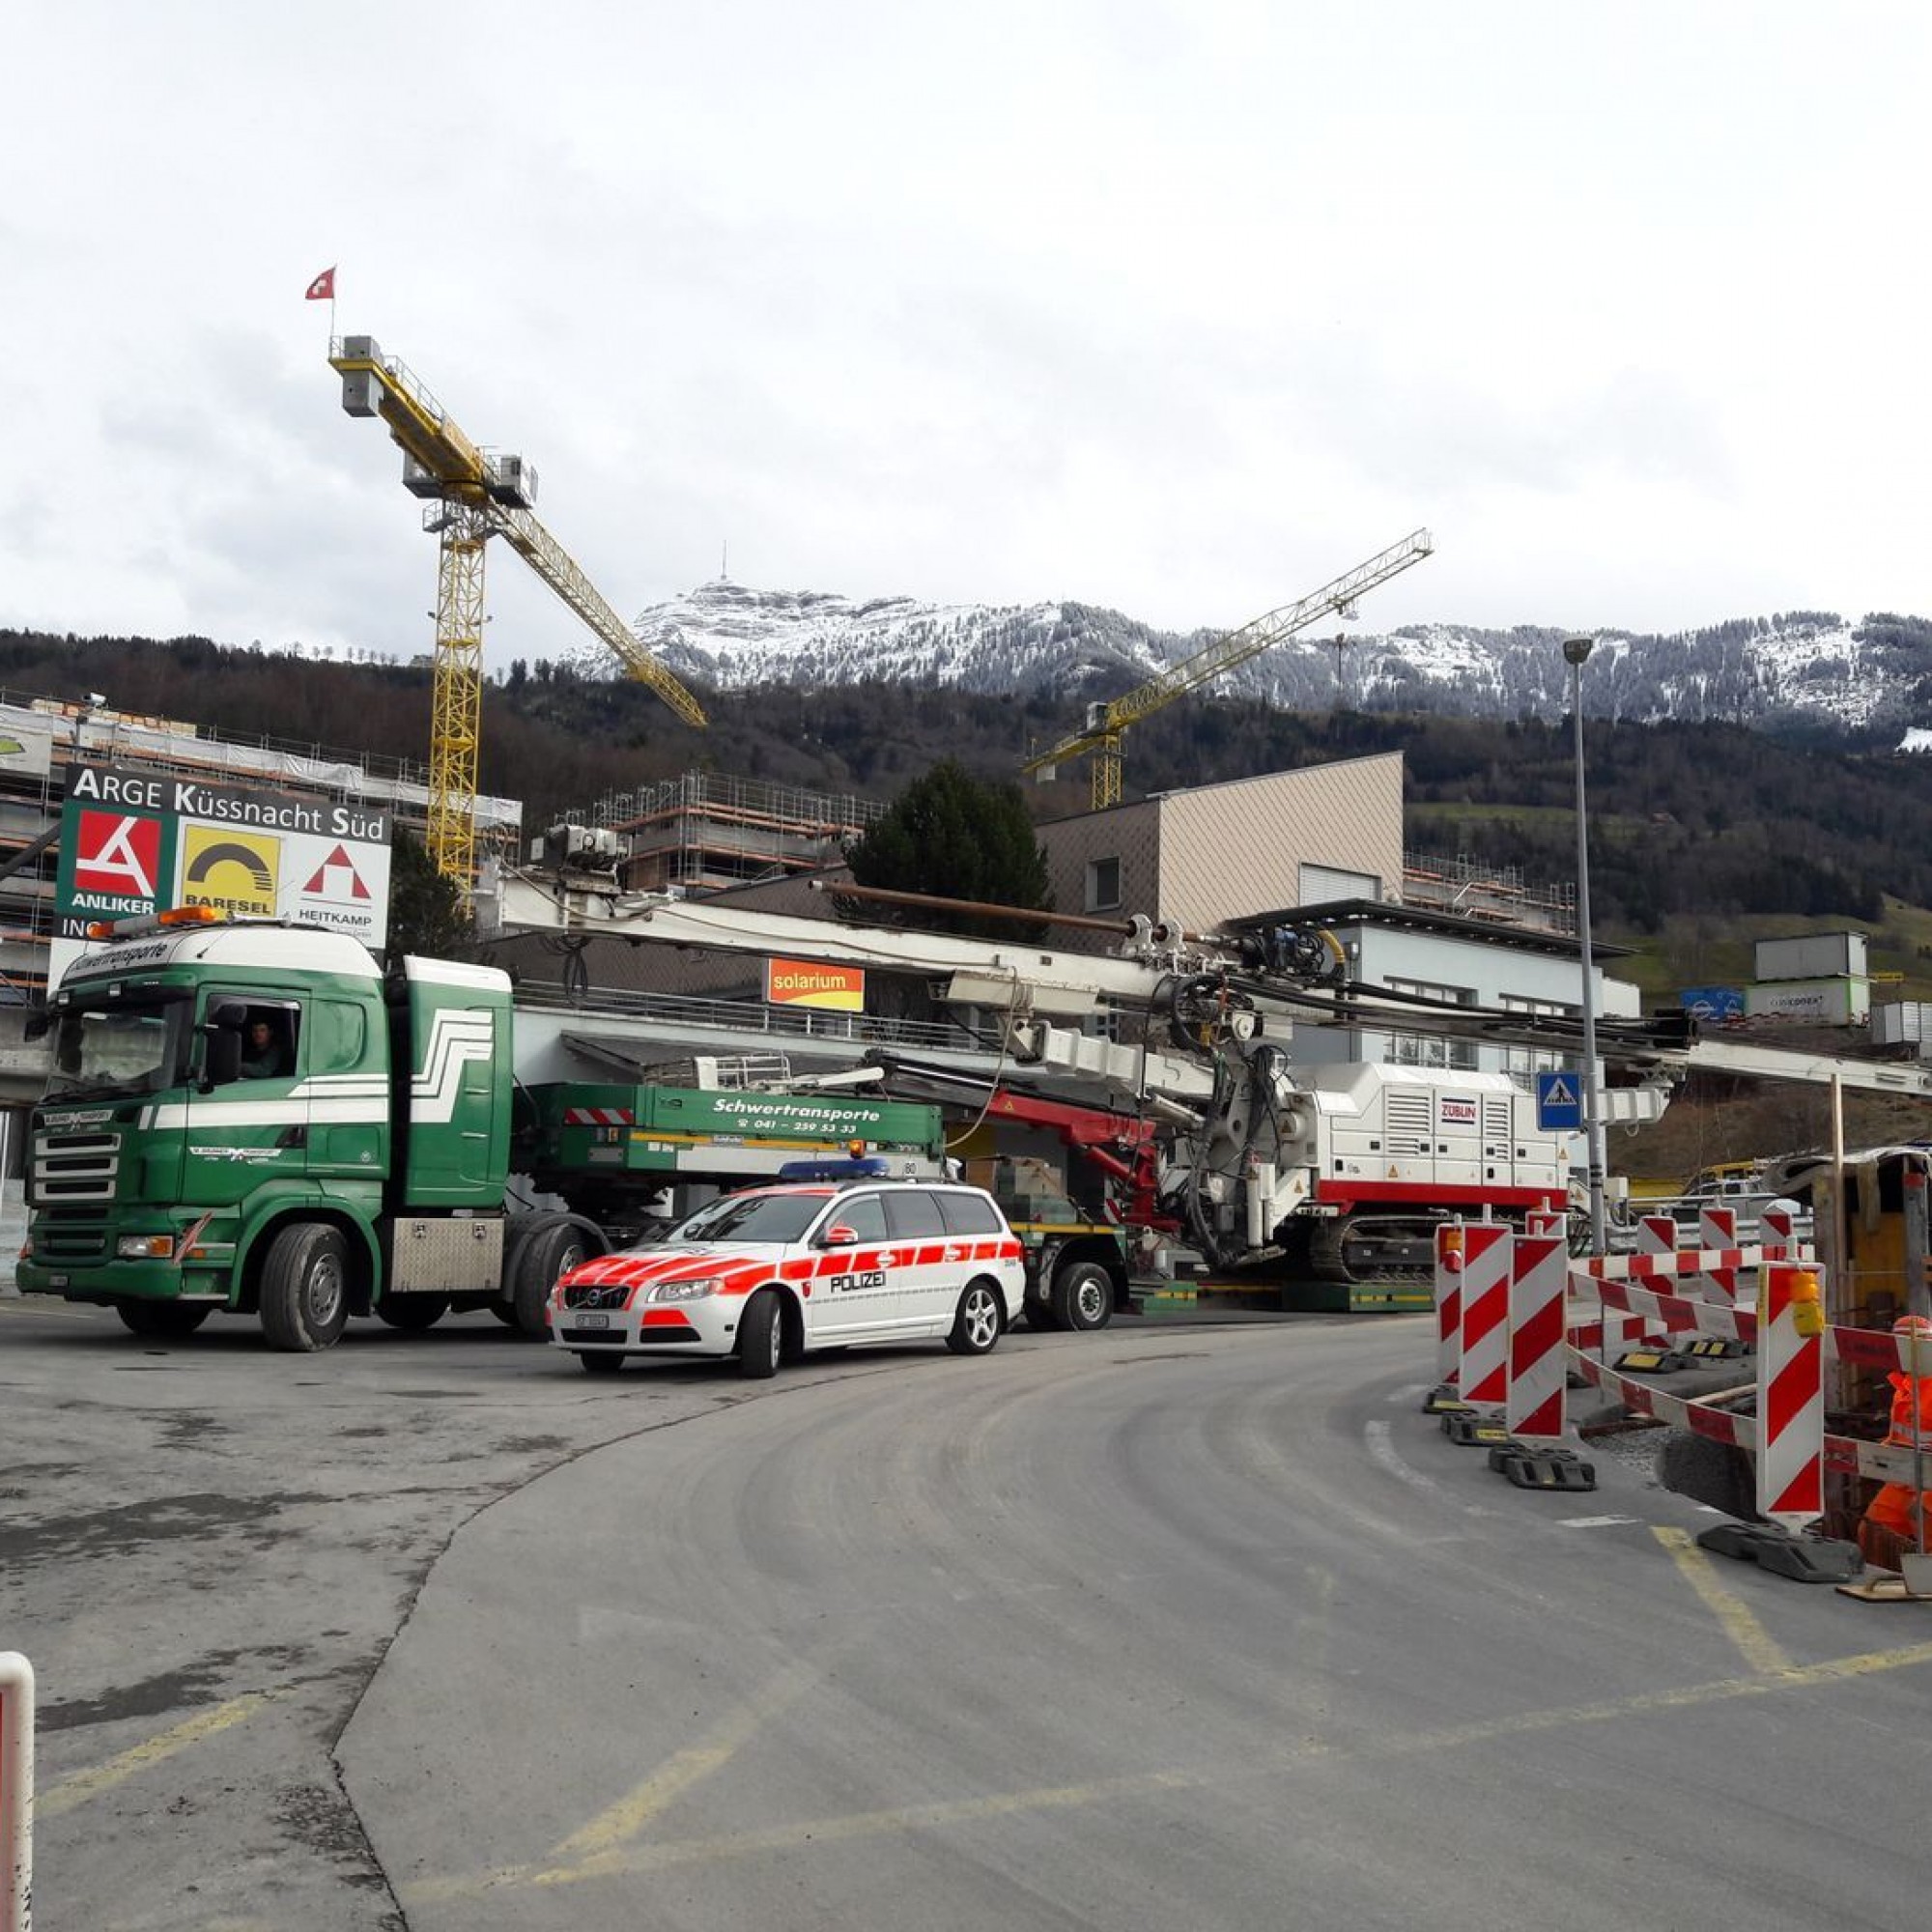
[[221, 1058], [37, 1024], [229, 1013]]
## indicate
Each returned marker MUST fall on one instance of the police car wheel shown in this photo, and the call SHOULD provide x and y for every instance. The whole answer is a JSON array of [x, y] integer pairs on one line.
[[976, 1327], [760, 1338], [599, 1364]]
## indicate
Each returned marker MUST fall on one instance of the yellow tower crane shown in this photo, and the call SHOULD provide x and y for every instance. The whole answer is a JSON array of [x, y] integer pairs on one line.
[[1107, 722], [473, 494]]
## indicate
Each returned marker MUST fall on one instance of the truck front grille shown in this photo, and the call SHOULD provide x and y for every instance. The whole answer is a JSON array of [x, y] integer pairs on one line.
[[74, 1167], [70, 1239]]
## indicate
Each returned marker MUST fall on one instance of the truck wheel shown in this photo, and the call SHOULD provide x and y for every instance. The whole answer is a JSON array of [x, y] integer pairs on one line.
[[976, 1327], [548, 1253], [760, 1338], [162, 1318], [305, 1289], [414, 1312], [1082, 1296]]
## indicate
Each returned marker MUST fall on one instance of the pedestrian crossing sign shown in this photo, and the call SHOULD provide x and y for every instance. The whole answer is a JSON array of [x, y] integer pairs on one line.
[[1559, 1103]]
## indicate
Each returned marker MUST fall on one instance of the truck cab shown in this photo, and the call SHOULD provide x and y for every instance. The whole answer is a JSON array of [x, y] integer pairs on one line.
[[222, 1130]]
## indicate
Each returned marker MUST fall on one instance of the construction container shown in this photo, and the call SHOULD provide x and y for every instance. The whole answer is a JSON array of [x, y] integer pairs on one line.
[[1820, 1002], [1812, 956], [1902, 1023]]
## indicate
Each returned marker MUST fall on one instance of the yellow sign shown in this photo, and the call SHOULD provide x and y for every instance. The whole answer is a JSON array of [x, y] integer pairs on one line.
[[794, 983], [234, 871]]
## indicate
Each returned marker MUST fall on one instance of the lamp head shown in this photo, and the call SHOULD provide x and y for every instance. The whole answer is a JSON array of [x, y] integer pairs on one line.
[[1575, 650]]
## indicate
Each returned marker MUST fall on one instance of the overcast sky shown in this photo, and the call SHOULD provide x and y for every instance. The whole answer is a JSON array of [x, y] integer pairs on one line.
[[1180, 309]]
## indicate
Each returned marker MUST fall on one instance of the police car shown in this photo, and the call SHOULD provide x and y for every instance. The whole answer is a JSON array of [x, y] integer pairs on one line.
[[768, 1274]]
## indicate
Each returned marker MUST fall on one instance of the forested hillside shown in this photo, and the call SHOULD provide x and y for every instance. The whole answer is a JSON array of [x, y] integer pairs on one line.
[[1710, 819]]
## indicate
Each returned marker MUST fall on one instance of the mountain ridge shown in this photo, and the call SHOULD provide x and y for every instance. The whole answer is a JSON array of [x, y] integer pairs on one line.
[[1809, 668]]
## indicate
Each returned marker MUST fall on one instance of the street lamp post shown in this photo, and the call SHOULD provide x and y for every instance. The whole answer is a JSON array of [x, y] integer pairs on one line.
[[1575, 651]]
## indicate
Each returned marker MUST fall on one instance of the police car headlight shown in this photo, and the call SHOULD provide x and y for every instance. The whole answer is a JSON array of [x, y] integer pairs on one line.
[[687, 1291], [145, 1247]]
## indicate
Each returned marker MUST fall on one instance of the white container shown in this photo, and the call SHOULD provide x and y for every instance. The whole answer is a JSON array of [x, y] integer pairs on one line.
[[1901, 1023], [1812, 956], [1821, 1002]]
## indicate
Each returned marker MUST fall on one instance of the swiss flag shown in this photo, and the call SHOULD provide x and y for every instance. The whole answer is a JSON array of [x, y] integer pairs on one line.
[[323, 288]]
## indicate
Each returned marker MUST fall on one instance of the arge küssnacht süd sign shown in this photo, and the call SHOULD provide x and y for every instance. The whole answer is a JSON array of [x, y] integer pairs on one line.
[[134, 842]]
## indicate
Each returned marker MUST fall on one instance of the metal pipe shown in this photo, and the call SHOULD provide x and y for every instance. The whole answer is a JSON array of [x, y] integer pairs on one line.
[[1575, 651]]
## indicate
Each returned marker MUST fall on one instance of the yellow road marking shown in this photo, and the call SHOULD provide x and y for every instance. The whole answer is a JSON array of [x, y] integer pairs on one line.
[[818, 1831], [86, 1784], [631, 1813], [1755, 1644]]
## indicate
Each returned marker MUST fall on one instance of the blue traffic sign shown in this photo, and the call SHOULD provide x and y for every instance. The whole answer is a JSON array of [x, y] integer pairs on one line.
[[1559, 1103]]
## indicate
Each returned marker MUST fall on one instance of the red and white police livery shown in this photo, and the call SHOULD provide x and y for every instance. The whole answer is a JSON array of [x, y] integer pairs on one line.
[[765, 1274]]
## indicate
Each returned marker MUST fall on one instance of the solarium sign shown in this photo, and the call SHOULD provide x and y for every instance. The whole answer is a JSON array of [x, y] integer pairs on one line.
[[132, 842]]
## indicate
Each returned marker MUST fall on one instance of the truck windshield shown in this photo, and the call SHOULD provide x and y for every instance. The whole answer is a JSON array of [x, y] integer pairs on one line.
[[751, 1217], [101, 1052]]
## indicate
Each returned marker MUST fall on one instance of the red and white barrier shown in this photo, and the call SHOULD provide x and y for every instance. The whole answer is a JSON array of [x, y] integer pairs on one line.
[[1539, 1365], [1448, 1302], [1718, 1228], [1776, 1235], [17, 1793], [1483, 1377], [1790, 1396]]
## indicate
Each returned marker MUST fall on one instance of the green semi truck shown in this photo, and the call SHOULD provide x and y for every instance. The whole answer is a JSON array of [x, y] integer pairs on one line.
[[253, 1117]]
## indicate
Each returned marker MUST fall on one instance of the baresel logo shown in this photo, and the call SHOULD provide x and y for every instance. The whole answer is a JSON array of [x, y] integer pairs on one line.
[[233, 871]]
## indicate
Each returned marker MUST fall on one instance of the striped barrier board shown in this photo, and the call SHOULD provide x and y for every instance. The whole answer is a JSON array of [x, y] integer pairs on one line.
[[1448, 1285], [1718, 1231], [1844, 1455], [17, 1793], [1681, 1315], [1482, 1374], [1686, 1261], [1538, 1366], [1790, 1399]]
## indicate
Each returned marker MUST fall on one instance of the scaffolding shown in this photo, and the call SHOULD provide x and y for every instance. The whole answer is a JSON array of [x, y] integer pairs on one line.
[[1494, 893], [703, 832]]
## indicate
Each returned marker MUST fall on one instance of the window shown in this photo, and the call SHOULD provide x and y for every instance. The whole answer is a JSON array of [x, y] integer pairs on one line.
[[911, 1210], [1103, 884], [864, 1215], [1522, 1064], [969, 1214], [1424, 1049]]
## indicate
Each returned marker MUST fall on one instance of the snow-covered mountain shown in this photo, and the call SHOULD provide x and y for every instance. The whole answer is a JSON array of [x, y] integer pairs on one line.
[[1799, 668]]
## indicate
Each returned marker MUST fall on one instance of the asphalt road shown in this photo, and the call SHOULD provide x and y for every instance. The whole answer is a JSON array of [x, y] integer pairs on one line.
[[1202, 1625]]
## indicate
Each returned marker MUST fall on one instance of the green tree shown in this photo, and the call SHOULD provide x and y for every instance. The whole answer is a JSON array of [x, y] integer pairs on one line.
[[959, 837], [426, 910]]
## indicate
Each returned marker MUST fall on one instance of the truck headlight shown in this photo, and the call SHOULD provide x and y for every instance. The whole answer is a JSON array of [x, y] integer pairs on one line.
[[145, 1247], [687, 1291]]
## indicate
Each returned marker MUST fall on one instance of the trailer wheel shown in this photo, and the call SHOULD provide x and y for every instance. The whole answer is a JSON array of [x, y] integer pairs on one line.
[[305, 1289], [414, 1312], [162, 1318], [976, 1327], [760, 1337], [1082, 1296], [548, 1253]]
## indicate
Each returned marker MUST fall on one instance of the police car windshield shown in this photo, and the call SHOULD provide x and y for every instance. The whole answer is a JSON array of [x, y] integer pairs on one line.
[[751, 1218]]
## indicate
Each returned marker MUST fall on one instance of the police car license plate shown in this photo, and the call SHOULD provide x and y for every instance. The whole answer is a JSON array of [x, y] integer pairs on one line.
[[593, 1322]]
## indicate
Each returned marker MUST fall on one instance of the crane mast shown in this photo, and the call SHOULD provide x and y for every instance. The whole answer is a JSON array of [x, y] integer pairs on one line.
[[1107, 722], [472, 495]]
